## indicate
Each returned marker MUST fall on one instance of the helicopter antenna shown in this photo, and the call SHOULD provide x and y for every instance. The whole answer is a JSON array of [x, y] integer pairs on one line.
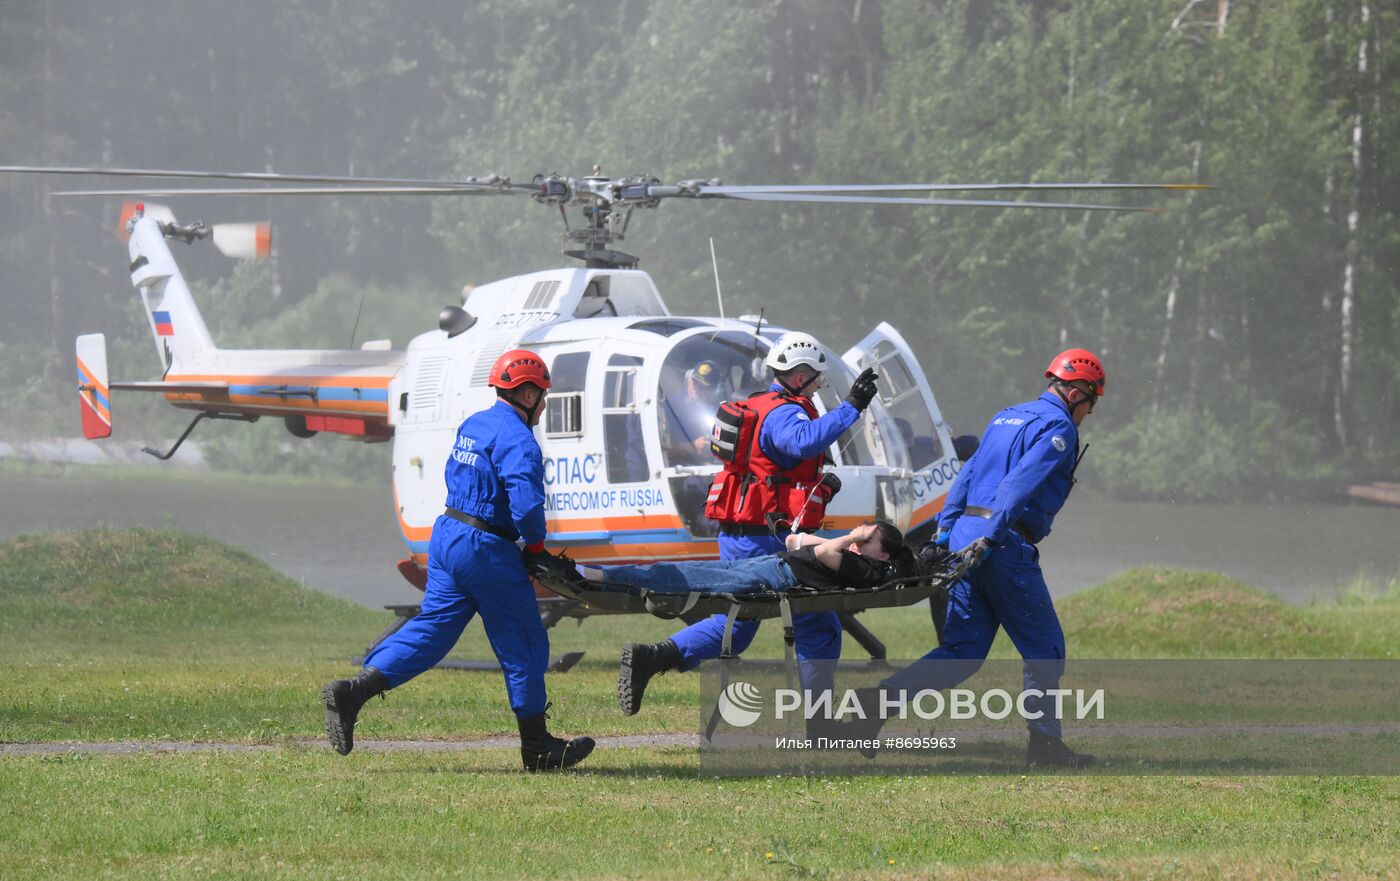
[[758, 326], [714, 261], [356, 328]]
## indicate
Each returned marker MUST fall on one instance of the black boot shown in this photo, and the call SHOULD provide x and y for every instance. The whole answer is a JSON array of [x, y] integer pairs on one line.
[[542, 751], [1051, 752], [640, 662], [854, 728], [343, 699]]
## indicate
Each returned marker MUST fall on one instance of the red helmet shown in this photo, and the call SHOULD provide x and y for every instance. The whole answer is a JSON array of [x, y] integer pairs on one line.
[[517, 367], [1076, 364]]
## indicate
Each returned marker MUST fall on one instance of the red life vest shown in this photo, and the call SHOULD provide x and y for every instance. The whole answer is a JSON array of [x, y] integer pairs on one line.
[[753, 490]]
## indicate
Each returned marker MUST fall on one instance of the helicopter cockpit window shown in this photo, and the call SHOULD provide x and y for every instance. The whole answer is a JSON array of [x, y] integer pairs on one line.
[[901, 396], [699, 374], [563, 408], [625, 450]]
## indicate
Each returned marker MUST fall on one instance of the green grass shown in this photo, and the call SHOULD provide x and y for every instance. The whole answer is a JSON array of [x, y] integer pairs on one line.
[[138, 635], [305, 813], [162, 635], [1163, 613]]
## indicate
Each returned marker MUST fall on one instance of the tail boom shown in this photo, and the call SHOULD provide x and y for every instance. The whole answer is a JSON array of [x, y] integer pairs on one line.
[[343, 392]]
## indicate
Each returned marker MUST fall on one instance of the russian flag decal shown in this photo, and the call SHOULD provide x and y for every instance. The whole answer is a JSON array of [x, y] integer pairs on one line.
[[163, 325]]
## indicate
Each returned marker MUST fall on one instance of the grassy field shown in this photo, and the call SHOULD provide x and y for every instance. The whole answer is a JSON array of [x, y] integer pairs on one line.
[[111, 636]]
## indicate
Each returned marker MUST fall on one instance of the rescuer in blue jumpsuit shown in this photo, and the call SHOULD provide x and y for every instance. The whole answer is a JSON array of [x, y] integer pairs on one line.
[[1001, 506], [788, 437], [495, 494]]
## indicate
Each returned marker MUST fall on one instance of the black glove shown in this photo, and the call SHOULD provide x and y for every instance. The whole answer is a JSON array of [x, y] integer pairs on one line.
[[832, 484], [536, 562], [863, 389], [543, 564], [977, 552]]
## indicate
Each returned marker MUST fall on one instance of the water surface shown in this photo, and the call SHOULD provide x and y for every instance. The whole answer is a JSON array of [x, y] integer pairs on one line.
[[344, 540]]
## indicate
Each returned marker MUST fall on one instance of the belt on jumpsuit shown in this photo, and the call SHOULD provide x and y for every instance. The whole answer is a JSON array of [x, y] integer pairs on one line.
[[743, 529], [478, 523], [986, 514]]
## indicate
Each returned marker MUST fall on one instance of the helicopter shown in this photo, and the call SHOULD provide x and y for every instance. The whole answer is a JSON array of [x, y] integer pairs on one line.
[[624, 432]]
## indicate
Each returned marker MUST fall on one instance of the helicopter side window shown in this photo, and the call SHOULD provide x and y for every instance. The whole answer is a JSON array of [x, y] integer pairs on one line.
[[901, 396], [563, 408], [703, 370], [625, 450]]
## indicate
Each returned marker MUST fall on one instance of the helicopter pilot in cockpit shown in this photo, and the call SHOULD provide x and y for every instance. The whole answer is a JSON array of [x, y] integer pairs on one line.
[[687, 421], [687, 424]]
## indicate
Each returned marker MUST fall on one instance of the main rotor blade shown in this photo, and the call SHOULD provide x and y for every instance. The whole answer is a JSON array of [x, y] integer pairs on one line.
[[910, 200], [723, 190], [262, 177], [444, 190]]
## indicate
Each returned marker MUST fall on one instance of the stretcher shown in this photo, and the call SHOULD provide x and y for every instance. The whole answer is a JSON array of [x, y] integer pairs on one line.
[[939, 570]]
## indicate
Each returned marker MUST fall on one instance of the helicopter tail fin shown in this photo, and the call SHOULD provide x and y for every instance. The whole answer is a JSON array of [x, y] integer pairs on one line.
[[94, 395], [177, 328]]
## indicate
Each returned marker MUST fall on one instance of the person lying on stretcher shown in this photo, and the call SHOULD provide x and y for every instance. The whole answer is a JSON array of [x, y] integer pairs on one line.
[[868, 556]]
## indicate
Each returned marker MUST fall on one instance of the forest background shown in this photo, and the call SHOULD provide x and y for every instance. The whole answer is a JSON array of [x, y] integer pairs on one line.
[[1251, 333]]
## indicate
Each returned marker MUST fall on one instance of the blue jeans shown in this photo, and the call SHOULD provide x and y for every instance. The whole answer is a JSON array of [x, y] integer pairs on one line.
[[818, 633], [716, 576]]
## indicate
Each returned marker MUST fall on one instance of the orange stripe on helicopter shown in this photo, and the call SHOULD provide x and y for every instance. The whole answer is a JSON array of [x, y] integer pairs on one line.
[[612, 556], [356, 381], [95, 396], [929, 511], [671, 550], [411, 533], [614, 524], [242, 393], [581, 524]]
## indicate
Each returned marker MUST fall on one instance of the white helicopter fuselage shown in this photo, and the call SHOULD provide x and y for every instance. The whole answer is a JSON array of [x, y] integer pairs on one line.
[[623, 432], [625, 477]]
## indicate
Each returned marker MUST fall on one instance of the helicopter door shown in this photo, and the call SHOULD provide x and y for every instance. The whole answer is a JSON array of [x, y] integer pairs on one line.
[[624, 450], [908, 398]]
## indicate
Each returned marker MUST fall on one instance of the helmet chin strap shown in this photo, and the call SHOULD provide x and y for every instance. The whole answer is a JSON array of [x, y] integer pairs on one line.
[[1060, 385], [800, 390], [531, 413]]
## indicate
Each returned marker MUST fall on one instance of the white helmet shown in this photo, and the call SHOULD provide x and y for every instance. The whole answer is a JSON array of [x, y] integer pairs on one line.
[[794, 349]]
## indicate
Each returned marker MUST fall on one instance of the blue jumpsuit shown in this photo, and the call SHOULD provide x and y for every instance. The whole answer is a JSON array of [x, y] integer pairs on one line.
[[496, 474], [788, 437], [1022, 473]]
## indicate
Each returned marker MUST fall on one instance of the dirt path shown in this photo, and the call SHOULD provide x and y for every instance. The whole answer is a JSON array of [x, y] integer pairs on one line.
[[132, 747]]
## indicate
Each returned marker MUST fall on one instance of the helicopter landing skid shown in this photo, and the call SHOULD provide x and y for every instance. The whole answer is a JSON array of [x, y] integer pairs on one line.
[[549, 616]]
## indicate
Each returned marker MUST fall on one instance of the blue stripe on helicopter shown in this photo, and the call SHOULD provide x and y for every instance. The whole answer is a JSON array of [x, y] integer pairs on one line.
[[629, 537], [101, 398], [320, 392]]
